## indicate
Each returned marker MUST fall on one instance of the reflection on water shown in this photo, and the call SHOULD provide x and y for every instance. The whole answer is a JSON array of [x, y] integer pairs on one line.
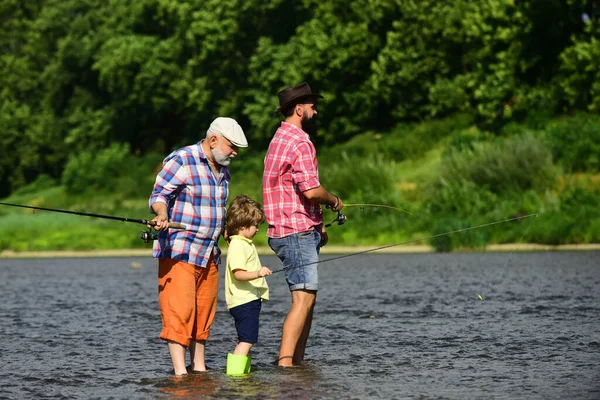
[[386, 326], [299, 383]]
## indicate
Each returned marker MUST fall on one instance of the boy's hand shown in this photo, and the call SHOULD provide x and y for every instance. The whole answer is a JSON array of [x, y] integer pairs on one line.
[[264, 271]]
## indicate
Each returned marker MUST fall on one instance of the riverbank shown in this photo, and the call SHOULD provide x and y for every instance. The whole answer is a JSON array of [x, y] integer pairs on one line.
[[324, 250]]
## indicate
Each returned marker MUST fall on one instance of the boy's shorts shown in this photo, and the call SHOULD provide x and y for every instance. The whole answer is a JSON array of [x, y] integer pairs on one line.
[[246, 320], [299, 253]]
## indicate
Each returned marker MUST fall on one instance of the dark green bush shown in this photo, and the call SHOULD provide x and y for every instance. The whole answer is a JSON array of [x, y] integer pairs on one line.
[[90, 170], [41, 183], [447, 235], [513, 164], [414, 140], [465, 139], [404, 141], [350, 176], [575, 143]]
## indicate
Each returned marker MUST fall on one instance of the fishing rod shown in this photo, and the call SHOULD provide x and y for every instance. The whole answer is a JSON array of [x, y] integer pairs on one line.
[[341, 218], [146, 235], [410, 241]]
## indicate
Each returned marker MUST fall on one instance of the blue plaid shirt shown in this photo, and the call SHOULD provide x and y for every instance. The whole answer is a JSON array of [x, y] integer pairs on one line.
[[194, 197]]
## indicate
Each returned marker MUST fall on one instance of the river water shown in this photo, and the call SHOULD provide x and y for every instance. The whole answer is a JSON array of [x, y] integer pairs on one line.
[[405, 326]]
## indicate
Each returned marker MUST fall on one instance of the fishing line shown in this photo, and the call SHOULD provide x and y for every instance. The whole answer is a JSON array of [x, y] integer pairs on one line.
[[377, 206], [520, 239], [410, 241]]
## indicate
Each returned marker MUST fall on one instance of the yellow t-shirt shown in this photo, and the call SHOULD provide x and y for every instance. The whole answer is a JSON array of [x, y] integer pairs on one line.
[[242, 255]]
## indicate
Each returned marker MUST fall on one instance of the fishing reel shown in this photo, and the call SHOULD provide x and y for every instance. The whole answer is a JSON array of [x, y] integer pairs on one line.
[[340, 220], [148, 235]]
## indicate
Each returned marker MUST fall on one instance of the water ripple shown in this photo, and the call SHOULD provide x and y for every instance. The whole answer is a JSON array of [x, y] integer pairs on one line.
[[406, 327]]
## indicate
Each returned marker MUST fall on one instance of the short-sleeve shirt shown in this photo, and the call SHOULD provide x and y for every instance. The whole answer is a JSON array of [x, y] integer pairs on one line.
[[194, 197], [290, 169], [243, 255]]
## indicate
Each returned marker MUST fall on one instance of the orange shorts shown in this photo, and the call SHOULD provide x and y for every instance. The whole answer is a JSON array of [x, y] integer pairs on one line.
[[187, 296]]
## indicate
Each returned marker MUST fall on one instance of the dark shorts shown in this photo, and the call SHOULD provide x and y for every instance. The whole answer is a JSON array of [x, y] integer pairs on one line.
[[246, 321], [300, 256]]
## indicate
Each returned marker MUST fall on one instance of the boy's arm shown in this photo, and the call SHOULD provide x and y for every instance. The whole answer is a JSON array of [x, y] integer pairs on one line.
[[243, 275]]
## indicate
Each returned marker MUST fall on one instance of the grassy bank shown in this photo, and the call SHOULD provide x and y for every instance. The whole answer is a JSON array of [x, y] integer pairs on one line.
[[445, 175]]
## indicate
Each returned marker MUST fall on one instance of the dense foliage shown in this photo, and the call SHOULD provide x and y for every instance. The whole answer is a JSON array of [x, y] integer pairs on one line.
[[459, 112], [79, 75]]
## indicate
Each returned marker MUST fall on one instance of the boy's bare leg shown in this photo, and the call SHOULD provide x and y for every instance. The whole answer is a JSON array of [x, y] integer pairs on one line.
[[197, 355], [243, 348], [295, 324], [177, 352]]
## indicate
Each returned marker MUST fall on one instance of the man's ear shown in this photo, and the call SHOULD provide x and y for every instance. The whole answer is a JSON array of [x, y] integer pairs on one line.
[[298, 110], [213, 140]]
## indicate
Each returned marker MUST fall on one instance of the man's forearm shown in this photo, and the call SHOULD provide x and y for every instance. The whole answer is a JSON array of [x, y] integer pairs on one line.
[[321, 196], [160, 208]]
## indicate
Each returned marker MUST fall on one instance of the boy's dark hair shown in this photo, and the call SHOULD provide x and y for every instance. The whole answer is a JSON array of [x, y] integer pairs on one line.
[[243, 212]]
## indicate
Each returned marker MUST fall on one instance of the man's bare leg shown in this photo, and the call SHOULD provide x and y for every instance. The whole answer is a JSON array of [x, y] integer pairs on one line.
[[301, 346], [294, 325], [177, 352], [197, 355]]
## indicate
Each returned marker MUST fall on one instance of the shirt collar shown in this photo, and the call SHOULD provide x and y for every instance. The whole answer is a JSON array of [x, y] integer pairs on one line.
[[201, 152], [294, 130], [240, 237]]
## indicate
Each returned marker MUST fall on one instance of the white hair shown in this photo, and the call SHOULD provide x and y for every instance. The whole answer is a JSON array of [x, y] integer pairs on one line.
[[210, 134]]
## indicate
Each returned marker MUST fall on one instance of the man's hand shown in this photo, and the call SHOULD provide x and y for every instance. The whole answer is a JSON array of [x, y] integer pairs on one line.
[[162, 217], [338, 205], [324, 237], [161, 221]]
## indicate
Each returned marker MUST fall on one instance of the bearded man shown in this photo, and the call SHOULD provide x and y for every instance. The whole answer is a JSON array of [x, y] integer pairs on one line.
[[192, 189], [293, 195]]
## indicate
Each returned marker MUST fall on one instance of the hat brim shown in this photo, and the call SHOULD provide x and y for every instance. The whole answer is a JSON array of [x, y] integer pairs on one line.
[[298, 100]]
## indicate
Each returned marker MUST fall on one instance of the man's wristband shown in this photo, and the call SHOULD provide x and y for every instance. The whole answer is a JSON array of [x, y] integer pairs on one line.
[[337, 202]]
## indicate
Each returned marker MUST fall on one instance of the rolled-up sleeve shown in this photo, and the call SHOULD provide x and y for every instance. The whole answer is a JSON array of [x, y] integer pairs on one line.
[[304, 169]]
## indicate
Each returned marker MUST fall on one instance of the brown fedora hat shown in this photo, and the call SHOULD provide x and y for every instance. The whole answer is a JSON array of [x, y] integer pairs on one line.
[[295, 94]]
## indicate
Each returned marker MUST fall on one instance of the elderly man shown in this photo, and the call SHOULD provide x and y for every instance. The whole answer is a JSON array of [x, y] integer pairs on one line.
[[192, 189], [293, 195]]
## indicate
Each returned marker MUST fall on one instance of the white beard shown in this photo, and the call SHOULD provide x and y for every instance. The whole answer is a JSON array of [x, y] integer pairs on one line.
[[220, 157]]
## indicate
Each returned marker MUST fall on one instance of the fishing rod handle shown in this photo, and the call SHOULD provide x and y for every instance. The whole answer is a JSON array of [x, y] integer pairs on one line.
[[172, 225]]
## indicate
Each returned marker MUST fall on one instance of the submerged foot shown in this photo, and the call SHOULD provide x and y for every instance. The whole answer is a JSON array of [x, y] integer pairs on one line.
[[285, 362], [191, 370]]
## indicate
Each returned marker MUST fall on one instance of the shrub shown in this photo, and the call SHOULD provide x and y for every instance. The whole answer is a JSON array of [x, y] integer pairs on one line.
[[449, 239], [514, 164], [42, 182], [359, 176], [90, 170], [575, 143], [465, 139], [404, 141], [417, 139]]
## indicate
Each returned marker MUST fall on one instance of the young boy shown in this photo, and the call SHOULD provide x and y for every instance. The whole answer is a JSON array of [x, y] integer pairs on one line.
[[245, 283]]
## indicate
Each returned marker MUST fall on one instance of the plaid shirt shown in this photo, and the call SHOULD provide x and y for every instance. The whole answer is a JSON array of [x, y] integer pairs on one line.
[[195, 198], [290, 169]]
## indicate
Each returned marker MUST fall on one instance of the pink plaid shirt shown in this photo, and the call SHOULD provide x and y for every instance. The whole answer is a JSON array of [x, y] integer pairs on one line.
[[290, 169]]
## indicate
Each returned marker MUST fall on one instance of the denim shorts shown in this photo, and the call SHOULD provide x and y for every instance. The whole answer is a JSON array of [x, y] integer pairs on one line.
[[246, 320], [299, 253]]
